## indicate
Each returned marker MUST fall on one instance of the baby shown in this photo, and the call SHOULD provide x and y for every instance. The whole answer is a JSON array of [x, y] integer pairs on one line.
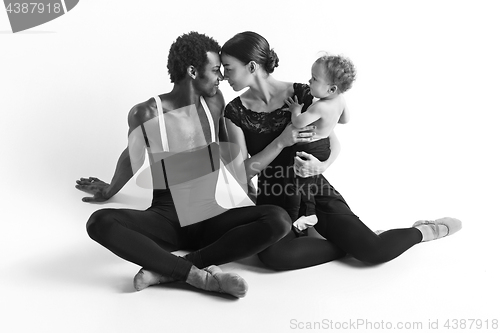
[[331, 76]]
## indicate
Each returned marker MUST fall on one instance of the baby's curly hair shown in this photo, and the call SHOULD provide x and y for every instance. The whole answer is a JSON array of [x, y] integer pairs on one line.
[[189, 50], [340, 70]]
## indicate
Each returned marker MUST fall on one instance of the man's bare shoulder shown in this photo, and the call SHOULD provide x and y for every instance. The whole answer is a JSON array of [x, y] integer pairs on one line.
[[216, 103], [142, 112]]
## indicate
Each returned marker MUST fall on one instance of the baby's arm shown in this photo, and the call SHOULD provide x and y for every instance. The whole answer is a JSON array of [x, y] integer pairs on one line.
[[300, 120]]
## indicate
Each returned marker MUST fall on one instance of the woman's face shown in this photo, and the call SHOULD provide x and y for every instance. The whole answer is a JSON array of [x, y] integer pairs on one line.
[[235, 72], [318, 82]]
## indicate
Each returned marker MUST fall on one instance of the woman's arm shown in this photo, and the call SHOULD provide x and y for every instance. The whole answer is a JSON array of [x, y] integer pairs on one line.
[[253, 165], [334, 152], [306, 165], [232, 158], [259, 161]]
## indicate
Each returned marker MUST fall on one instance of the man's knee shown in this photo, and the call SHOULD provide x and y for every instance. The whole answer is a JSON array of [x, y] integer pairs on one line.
[[279, 219], [98, 222]]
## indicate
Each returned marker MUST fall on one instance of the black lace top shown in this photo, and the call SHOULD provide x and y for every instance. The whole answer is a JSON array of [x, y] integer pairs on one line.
[[260, 129]]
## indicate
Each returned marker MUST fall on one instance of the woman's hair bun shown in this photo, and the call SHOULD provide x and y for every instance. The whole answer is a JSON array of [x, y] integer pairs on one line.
[[272, 61]]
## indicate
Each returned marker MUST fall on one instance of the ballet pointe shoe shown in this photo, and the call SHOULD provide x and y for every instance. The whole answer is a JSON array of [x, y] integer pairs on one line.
[[451, 226]]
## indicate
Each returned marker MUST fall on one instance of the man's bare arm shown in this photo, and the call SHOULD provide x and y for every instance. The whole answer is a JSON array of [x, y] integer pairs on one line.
[[123, 173], [125, 167]]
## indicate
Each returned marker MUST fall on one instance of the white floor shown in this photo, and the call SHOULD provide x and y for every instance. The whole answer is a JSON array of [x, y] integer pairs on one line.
[[422, 144], [57, 280]]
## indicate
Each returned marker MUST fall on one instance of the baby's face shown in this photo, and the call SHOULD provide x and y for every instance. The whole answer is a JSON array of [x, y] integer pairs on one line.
[[318, 82]]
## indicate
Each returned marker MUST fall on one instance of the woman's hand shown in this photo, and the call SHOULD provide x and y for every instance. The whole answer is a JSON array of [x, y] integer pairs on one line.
[[306, 165], [291, 135], [94, 186]]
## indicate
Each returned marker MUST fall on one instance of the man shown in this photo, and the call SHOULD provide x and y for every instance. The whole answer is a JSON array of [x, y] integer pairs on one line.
[[173, 129]]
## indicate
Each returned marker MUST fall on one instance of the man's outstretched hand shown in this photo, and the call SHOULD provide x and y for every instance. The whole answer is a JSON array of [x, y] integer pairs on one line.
[[93, 186]]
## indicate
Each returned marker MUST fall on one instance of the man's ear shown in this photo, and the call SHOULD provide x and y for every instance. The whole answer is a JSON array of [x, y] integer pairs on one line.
[[333, 89], [192, 72]]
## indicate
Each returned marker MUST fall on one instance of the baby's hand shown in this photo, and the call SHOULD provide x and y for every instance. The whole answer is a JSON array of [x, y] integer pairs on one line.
[[293, 104]]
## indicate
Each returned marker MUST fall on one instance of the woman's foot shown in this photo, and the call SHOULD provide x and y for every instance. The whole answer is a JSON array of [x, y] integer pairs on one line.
[[213, 278], [439, 228], [145, 278]]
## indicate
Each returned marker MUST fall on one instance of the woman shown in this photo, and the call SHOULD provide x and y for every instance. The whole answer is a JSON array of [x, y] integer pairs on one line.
[[259, 122]]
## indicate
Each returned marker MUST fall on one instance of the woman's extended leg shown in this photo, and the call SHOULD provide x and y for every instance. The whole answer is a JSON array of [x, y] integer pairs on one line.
[[294, 252], [344, 233], [337, 223], [354, 237]]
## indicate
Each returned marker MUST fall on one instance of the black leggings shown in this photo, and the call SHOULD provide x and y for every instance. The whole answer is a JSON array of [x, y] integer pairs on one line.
[[302, 190], [146, 238], [344, 233]]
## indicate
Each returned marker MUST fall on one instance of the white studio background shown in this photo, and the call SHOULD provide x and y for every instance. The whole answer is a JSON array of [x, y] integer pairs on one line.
[[422, 142]]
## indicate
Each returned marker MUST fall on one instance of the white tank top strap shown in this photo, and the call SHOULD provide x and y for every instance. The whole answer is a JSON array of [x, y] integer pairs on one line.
[[161, 121], [209, 117]]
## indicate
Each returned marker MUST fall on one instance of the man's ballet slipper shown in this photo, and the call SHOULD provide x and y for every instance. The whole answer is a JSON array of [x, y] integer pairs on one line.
[[226, 283]]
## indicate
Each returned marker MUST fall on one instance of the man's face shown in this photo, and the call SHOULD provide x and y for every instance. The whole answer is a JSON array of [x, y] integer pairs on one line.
[[207, 81]]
